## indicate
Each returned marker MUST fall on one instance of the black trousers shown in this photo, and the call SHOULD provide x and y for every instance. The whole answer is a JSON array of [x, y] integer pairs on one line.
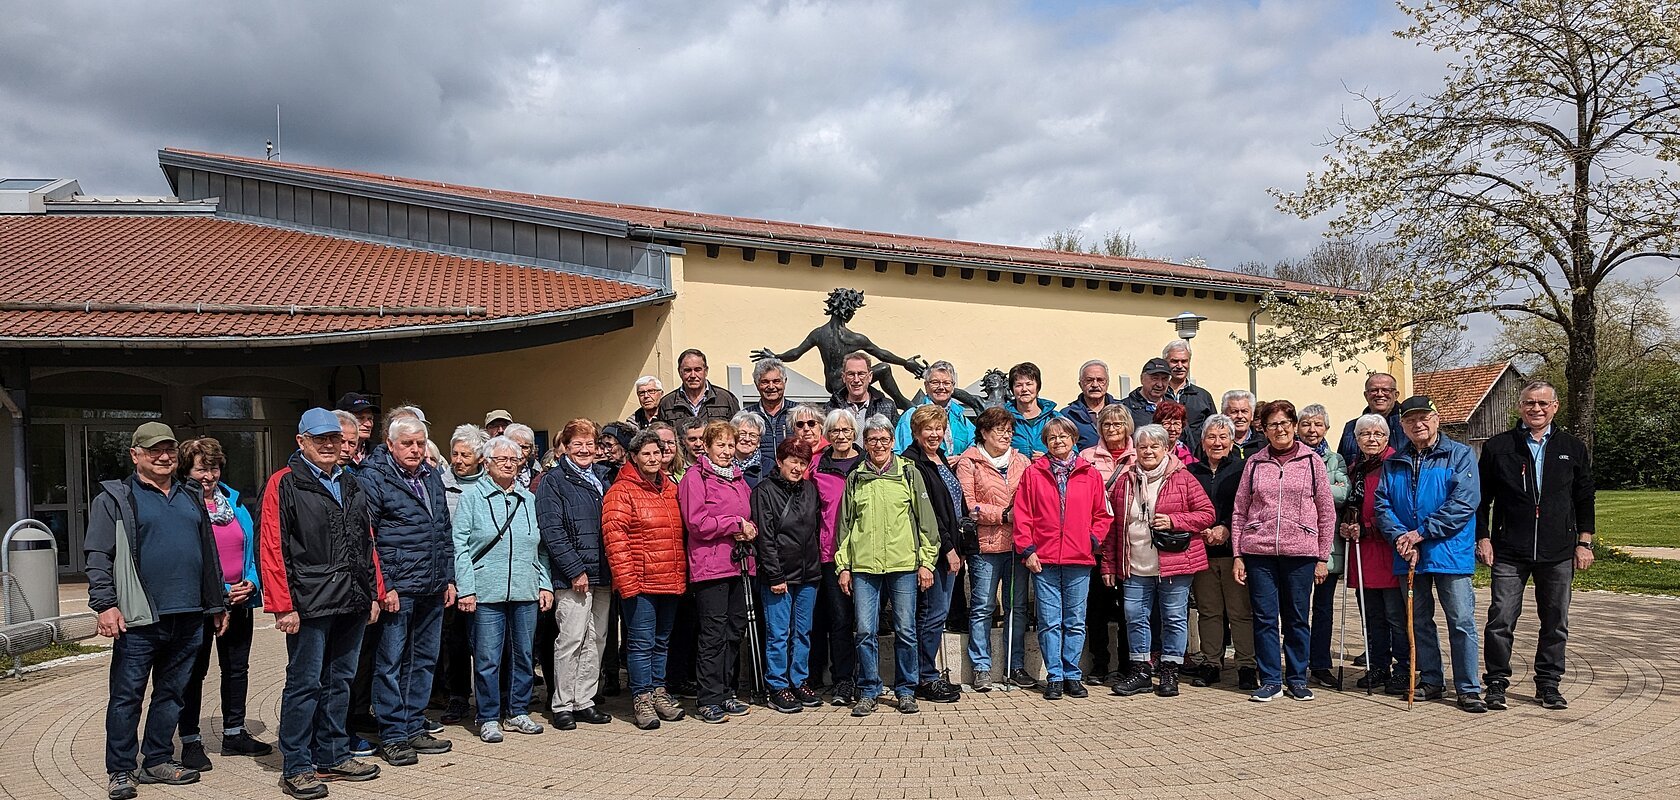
[[1103, 605], [233, 654], [361, 688], [685, 631], [722, 608], [455, 663], [1552, 588], [833, 631]]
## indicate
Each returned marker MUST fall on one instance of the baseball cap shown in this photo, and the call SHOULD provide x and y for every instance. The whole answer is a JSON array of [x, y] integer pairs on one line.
[[500, 414], [620, 433], [1156, 366], [356, 403], [1416, 402], [319, 422], [151, 434]]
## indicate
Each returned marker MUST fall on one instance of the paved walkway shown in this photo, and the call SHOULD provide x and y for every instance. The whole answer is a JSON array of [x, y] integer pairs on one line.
[[1619, 738], [1665, 553]]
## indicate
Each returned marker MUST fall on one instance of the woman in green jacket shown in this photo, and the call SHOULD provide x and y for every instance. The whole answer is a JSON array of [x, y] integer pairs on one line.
[[887, 542], [1312, 430]]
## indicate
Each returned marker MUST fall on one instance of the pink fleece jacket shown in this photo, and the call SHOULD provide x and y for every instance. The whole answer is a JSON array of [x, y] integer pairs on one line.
[[1284, 506]]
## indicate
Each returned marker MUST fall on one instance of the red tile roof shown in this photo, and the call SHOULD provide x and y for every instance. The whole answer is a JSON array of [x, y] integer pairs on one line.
[[892, 246], [1458, 392], [53, 263]]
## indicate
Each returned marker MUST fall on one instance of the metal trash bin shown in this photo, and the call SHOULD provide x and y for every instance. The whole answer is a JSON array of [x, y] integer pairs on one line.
[[29, 564]]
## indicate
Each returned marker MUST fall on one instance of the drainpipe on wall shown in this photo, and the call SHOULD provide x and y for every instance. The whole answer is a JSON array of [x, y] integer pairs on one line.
[[20, 459], [1253, 333]]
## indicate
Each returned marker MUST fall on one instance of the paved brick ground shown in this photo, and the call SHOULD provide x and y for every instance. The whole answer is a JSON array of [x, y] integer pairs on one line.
[[1619, 738]]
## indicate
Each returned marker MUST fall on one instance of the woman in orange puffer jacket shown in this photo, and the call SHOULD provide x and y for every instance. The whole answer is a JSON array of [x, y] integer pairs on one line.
[[642, 526]]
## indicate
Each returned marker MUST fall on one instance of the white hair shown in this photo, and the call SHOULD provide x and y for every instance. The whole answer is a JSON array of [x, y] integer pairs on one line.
[[748, 419], [1371, 421], [803, 411], [649, 380], [1236, 394], [346, 418], [473, 435], [503, 443], [879, 422], [840, 415], [1152, 433], [521, 432], [404, 426], [1176, 344], [941, 366], [1219, 421], [764, 367], [1095, 362], [1314, 410]]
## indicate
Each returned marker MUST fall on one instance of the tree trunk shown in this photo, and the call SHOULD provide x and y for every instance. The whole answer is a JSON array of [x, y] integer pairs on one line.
[[1581, 369]]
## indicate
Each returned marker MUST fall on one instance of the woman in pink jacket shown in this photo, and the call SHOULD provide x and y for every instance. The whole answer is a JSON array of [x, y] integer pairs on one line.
[[717, 517], [1060, 519], [990, 472], [1112, 455], [1281, 529], [835, 624], [1153, 500]]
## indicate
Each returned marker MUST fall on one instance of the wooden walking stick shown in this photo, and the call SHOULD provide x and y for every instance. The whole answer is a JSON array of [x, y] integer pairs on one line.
[[1411, 638]]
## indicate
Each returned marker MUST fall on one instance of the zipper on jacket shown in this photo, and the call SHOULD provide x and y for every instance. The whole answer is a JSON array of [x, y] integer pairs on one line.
[[1277, 530]]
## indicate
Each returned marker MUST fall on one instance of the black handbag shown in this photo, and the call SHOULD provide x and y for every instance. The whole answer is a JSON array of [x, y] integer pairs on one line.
[[1171, 541]]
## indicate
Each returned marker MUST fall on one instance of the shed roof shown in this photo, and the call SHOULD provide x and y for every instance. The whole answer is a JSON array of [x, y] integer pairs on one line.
[[1459, 392]]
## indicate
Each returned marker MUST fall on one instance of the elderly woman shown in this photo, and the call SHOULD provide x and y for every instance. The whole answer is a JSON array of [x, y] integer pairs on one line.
[[466, 467], [1031, 412], [641, 524], [1169, 414], [806, 422], [749, 429], [829, 470], [1281, 525], [648, 392], [502, 579], [1313, 428], [1155, 549], [888, 543], [788, 513], [1220, 600], [1112, 456], [990, 472], [531, 468], [717, 514], [933, 605], [569, 517], [1387, 661], [939, 383], [1060, 520], [201, 462]]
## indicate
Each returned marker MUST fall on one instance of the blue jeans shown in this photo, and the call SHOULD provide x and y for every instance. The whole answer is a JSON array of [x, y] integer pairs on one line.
[[1385, 629], [403, 664], [499, 628], [165, 650], [1458, 600], [1280, 587], [320, 662], [990, 574], [647, 639], [1323, 622], [787, 634], [932, 607], [866, 603], [1142, 595], [1062, 591]]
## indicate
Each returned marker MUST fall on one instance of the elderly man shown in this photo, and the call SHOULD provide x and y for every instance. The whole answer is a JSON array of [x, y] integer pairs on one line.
[[321, 581], [1247, 439], [497, 421], [1536, 521], [856, 395], [1426, 505], [648, 392], [770, 376], [411, 533], [1197, 402], [1152, 389], [1381, 395], [697, 398], [367, 415], [153, 576], [939, 383], [1093, 398]]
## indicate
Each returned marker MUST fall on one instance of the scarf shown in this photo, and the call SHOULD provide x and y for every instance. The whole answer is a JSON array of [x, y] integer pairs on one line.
[[999, 463], [729, 473], [751, 462], [1061, 470], [1149, 489], [1322, 448], [221, 511]]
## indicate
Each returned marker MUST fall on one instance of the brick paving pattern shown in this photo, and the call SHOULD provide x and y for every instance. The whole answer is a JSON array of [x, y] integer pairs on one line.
[[1619, 738]]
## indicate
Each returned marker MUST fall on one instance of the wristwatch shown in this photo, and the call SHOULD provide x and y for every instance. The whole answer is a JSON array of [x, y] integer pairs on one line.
[[1586, 544]]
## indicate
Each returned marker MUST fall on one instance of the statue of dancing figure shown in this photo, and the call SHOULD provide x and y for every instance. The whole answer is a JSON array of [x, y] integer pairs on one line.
[[834, 340]]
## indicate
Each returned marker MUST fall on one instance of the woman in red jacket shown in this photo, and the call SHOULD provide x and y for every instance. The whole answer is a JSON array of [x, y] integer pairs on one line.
[[1061, 516], [1370, 569], [642, 527], [1160, 514]]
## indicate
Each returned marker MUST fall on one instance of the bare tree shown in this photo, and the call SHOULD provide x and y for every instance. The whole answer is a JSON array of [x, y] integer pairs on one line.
[[1067, 240]]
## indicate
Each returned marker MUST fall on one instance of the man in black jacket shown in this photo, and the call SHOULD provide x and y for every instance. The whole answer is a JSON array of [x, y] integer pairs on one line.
[[1535, 521]]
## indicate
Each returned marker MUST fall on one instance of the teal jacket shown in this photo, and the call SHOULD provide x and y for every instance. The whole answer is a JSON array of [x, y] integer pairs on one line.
[[249, 573], [499, 555], [1029, 434]]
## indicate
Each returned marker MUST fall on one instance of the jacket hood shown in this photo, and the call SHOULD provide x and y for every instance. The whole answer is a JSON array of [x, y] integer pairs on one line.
[[1044, 407], [232, 493], [634, 475]]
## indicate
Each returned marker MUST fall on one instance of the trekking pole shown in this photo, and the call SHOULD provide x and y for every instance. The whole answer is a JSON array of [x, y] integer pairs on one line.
[[1346, 585], [1008, 624], [1411, 638], [1364, 632], [754, 646]]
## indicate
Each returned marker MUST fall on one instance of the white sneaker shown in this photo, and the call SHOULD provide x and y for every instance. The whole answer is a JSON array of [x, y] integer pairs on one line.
[[523, 724], [490, 732]]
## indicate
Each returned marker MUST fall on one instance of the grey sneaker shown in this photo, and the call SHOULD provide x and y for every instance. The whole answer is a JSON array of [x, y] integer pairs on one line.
[[666, 706], [522, 724], [864, 707], [168, 772], [490, 732], [982, 681], [907, 703], [120, 786], [350, 769], [304, 786]]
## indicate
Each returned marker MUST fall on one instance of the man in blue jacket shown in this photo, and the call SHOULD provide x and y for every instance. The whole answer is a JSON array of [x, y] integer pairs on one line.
[[1093, 398], [1381, 392], [1426, 505]]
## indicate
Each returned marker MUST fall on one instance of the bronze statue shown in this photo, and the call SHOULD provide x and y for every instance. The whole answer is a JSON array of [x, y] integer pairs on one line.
[[833, 341]]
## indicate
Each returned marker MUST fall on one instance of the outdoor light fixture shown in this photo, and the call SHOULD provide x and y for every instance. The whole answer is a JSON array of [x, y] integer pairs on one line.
[[1186, 324]]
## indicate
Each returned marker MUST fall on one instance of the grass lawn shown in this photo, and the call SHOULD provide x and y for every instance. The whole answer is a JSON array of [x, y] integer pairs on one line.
[[1649, 519], [53, 651]]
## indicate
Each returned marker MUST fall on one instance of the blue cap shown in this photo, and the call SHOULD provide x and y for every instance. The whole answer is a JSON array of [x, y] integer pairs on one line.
[[319, 422]]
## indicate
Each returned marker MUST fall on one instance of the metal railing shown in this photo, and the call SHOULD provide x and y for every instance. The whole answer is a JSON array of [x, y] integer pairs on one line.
[[27, 633]]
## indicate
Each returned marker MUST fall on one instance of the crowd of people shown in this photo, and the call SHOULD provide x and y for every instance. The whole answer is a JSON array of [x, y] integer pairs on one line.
[[408, 570]]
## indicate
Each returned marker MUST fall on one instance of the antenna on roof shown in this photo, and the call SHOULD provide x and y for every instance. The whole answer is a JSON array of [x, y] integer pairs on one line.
[[272, 148]]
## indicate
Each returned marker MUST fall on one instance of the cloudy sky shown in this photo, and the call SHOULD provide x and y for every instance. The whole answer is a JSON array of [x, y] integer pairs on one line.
[[975, 119]]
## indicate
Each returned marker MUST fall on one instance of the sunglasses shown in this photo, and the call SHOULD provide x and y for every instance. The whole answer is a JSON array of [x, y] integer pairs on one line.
[[805, 423]]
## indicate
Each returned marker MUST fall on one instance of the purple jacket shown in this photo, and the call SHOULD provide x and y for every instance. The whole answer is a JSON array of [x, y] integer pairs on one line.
[[713, 509], [1284, 506]]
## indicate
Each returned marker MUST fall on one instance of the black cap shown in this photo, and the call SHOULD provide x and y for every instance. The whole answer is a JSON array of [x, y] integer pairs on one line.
[[620, 433], [1156, 366], [356, 403], [1416, 402]]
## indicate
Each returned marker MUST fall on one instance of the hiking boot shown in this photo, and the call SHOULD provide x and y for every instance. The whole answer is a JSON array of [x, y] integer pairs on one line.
[[1327, 679], [938, 691], [1396, 686], [350, 769], [711, 715], [864, 707], [1023, 679], [646, 717], [609, 683], [120, 786], [1429, 691], [1247, 679], [522, 723], [1139, 681], [1075, 689], [241, 744], [398, 754], [193, 757], [665, 707], [304, 786], [1375, 680], [807, 696], [1495, 698], [1267, 693], [685, 689], [428, 745], [783, 700], [1550, 698], [735, 708], [907, 703], [168, 772], [1299, 692], [490, 732], [1169, 680], [1096, 676], [455, 711], [1053, 690], [1359, 660], [1471, 702], [982, 681], [845, 693]]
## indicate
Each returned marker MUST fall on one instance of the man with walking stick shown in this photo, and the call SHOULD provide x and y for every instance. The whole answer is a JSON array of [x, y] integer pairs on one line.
[[1536, 521], [1426, 505]]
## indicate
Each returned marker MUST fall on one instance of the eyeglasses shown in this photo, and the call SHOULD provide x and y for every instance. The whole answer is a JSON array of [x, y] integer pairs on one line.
[[1538, 403], [873, 442], [841, 432], [506, 459], [805, 423], [1279, 425], [1115, 425], [1382, 392], [939, 384], [1371, 435]]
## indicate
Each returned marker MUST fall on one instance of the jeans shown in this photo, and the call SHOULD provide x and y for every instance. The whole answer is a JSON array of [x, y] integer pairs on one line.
[[647, 637], [722, 605], [932, 607], [1062, 590], [787, 641], [580, 623], [403, 664], [992, 574], [1280, 588], [233, 655], [1458, 601], [1221, 601], [866, 598], [1103, 607], [499, 628], [1551, 597], [163, 652], [320, 664], [1385, 630], [1141, 593], [833, 631], [1323, 622]]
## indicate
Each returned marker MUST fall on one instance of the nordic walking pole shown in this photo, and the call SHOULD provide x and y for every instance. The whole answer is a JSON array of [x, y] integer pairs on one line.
[[1343, 647], [1411, 638], [1008, 623], [1364, 631]]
